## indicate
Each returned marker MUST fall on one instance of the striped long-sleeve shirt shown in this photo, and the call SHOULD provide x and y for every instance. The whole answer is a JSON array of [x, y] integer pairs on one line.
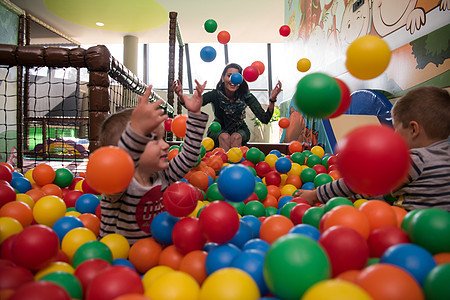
[[428, 183], [130, 213]]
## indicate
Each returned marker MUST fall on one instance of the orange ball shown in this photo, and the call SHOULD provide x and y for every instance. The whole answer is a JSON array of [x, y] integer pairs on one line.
[[274, 191], [294, 180], [350, 216], [144, 254], [199, 179], [8, 165], [335, 174], [43, 174], [193, 264], [109, 170], [52, 189], [400, 213], [36, 194], [295, 146], [274, 227], [90, 221], [215, 162], [223, 37], [379, 213], [270, 200], [442, 258], [209, 171], [260, 66], [170, 257], [172, 153], [179, 125], [349, 275], [19, 211], [283, 122]]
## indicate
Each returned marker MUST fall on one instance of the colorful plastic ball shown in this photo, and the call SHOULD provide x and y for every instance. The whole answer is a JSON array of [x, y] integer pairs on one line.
[[87, 203], [253, 154], [63, 177], [199, 179], [308, 186], [306, 230], [215, 127], [117, 244], [5, 173], [40, 290], [9, 226], [114, 282], [67, 281], [243, 235], [91, 222], [283, 165], [235, 155], [252, 262], [319, 151], [43, 174], [210, 25], [180, 199], [173, 285], [262, 169], [250, 73], [123, 262], [162, 226], [379, 214], [207, 54], [430, 228], [284, 30], [109, 170], [21, 184], [254, 208], [336, 289], [260, 66], [380, 239], [220, 257], [413, 258], [179, 126], [74, 239], [233, 176], [219, 222], [293, 264], [303, 65], [274, 227], [308, 175], [345, 99], [213, 193], [349, 216], [312, 216], [236, 78], [48, 210], [193, 264], [13, 277], [294, 147], [223, 37], [171, 257], [254, 223], [436, 284], [256, 244], [313, 160], [378, 149], [385, 281], [336, 201], [187, 235], [89, 269], [168, 124], [63, 225], [322, 179], [19, 211], [90, 250], [35, 247], [317, 95], [367, 57], [283, 122]]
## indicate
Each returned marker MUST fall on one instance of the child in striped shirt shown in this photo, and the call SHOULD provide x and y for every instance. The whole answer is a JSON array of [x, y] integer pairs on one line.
[[131, 212], [422, 118]]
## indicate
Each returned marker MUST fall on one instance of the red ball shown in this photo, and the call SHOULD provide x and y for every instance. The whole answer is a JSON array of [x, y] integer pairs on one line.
[[346, 248], [180, 199], [168, 125], [71, 197], [87, 189], [373, 160], [345, 99], [89, 269], [320, 169], [114, 282], [5, 173], [74, 182], [13, 277], [260, 66], [285, 30], [35, 247], [7, 193], [384, 237], [262, 168], [273, 178], [250, 73], [219, 221], [297, 212], [38, 290], [187, 235], [222, 155], [223, 37], [283, 122], [248, 163], [332, 160]]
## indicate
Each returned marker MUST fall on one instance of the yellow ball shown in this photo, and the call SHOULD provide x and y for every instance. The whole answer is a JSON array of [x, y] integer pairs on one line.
[[8, 227], [336, 289], [29, 175], [359, 202], [48, 210], [296, 169], [74, 239], [118, 244], [174, 285], [73, 213], [208, 143], [152, 274], [367, 57], [317, 150], [288, 189], [303, 65], [194, 214], [229, 283], [271, 159], [234, 155], [25, 199], [283, 178], [53, 267], [79, 186]]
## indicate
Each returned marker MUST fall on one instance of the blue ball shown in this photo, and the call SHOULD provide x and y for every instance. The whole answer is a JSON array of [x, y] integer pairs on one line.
[[236, 78], [412, 258], [243, 235], [220, 257], [254, 223], [306, 230], [208, 54], [308, 186], [283, 200], [252, 262], [209, 246], [65, 224], [276, 152], [17, 174], [236, 183], [283, 165], [87, 203], [257, 244], [162, 226], [21, 184], [123, 262]]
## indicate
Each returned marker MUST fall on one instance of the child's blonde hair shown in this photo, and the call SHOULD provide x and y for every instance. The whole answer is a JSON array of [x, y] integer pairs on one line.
[[113, 126]]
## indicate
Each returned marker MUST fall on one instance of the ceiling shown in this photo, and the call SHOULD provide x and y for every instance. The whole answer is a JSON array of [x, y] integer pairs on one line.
[[248, 21]]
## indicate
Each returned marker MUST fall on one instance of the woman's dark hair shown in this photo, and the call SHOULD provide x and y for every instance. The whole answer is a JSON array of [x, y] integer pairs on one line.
[[243, 87]]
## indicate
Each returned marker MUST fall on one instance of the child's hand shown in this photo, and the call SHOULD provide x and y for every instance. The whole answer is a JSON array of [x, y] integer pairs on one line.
[[194, 104], [146, 117], [178, 89], [308, 195]]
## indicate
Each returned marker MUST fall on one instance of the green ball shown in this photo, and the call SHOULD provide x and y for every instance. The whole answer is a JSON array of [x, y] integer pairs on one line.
[[270, 211], [210, 25], [436, 285], [253, 171], [174, 147], [336, 201], [67, 281], [407, 219], [321, 179], [312, 216], [215, 127], [213, 194], [253, 154], [317, 95], [308, 175], [92, 249], [239, 206], [202, 151], [63, 177], [324, 161], [293, 264], [298, 158], [261, 190], [313, 160], [430, 228], [307, 153], [254, 208], [372, 261], [286, 209]]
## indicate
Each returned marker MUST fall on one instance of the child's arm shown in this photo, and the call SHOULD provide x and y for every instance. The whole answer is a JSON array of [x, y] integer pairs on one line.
[[194, 103]]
